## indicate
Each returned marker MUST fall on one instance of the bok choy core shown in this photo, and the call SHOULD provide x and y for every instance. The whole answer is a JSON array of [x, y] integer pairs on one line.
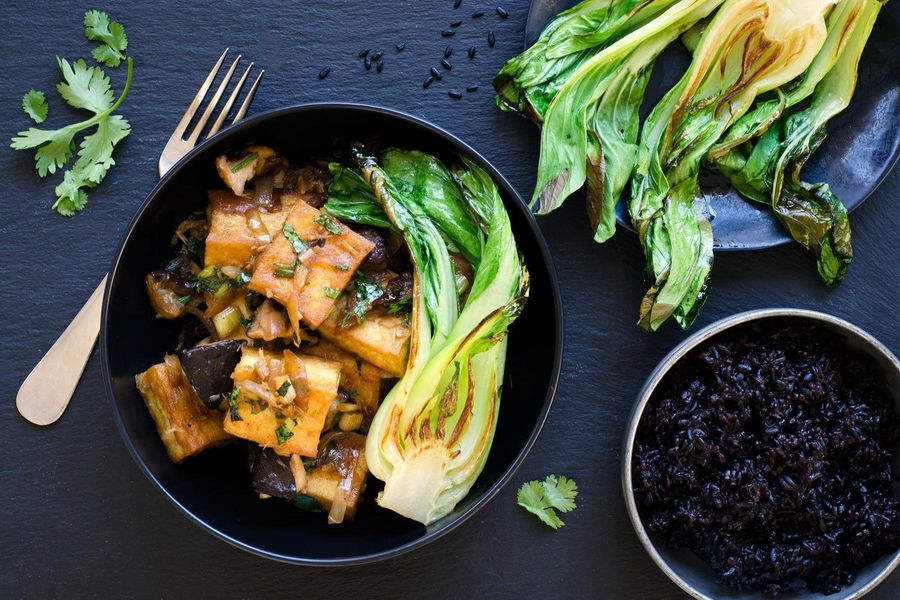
[[765, 78], [430, 438]]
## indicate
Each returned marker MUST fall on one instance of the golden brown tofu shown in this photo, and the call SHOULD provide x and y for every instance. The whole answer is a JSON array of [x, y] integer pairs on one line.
[[238, 228], [185, 426], [341, 471], [329, 264], [361, 380], [287, 429], [381, 339]]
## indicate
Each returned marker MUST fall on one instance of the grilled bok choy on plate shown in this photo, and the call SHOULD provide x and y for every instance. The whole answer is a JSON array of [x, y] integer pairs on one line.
[[764, 79]]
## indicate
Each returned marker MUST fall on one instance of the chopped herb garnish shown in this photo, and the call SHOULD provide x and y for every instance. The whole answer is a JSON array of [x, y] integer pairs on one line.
[[246, 322], [250, 300], [400, 306], [283, 270], [240, 280], [308, 503], [244, 162], [284, 388], [330, 225], [192, 247], [284, 432], [185, 299], [340, 267], [331, 292], [232, 398], [210, 280], [365, 292], [297, 243]]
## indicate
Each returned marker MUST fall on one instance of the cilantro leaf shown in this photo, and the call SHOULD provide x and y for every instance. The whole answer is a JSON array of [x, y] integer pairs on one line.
[[531, 497], [111, 35], [560, 492], [70, 197], [95, 155], [84, 87], [35, 105], [542, 497], [284, 432]]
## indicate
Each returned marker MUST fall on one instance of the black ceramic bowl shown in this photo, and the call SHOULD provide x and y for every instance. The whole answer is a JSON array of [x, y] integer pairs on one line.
[[213, 489]]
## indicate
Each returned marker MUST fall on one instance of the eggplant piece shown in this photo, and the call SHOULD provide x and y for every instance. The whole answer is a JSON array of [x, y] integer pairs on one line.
[[272, 475], [209, 367]]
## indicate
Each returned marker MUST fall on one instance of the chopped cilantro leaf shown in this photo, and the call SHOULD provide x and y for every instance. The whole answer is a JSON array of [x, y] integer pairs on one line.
[[297, 244], [400, 306], [284, 388], [331, 292], [98, 28], [542, 497], [185, 299], [35, 105], [232, 398], [284, 432], [340, 267]]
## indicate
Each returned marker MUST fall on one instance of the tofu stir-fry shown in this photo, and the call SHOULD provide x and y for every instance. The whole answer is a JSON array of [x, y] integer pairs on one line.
[[298, 288]]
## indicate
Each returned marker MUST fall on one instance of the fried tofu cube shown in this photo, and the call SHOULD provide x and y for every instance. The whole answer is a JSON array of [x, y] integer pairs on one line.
[[235, 226], [335, 254], [361, 380], [381, 339], [185, 426], [286, 429], [323, 484]]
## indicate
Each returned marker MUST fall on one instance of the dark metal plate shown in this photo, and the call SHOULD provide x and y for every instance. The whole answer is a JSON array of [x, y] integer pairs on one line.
[[862, 146]]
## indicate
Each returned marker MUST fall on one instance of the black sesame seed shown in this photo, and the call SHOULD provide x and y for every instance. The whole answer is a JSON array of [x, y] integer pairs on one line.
[[472, 52], [446, 64], [427, 82], [457, 4], [502, 12], [477, 14], [492, 39], [400, 47], [368, 63], [447, 33], [448, 51], [377, 55], [379, 66], [436, 74], [455, 23], [455, 94], [472, 88], [363, 53], [324, 72]]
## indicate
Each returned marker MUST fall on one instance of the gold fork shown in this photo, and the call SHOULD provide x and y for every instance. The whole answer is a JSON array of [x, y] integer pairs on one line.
[[47, 390]]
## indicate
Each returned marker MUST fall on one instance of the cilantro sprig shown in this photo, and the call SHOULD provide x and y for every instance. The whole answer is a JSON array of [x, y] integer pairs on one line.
[[544, 498], [88, 88]]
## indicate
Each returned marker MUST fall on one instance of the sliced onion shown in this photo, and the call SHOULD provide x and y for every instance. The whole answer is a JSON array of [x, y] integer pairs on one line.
[[252, 389], [296, 373], [338, 510], [299, 473]]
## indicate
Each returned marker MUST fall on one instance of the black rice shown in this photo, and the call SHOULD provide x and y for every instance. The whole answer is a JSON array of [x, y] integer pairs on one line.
[[363, 53], [477, 14], [767, 451], [502, 12], [472, 52], [379, 66], [367, 62], [376, 56], [446, 64], [400, 47], [455, 94], [457, 4], [492, 39], [324, 72], [436, 74], [427, 82], [455, 24], [447, 33], [472, 88], [448, 51]]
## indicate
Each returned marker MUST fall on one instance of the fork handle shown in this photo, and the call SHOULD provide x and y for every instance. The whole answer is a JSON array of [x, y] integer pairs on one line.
[[48, 388]]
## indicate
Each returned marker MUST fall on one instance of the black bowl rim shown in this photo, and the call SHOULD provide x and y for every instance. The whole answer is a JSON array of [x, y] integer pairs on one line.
[[543, 250]]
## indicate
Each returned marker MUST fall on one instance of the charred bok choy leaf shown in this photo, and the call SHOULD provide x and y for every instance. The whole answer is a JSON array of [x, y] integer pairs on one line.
[[590, 128], [430, 438], [767, 169], [750, 47]]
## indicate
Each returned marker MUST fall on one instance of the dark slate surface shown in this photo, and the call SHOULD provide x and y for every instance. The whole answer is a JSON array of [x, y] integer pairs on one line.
[[77, 513]]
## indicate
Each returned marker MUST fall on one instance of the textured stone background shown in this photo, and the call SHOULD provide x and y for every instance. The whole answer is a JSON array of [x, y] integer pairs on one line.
[[78, 518]]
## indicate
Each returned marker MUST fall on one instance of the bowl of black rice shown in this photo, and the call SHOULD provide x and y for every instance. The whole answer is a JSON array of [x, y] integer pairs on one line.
[[762, 458]]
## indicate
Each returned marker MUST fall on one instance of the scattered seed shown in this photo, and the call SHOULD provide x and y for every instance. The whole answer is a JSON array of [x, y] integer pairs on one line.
[[368, 63], [446, 64], [427, 82], [455, 94], [472, 52], [455, 23], [457, 4], [472, 88], [502, 12], [447, 33], [379, 66], [492, 39], [324, 72], [448, 51], [436, 74], [377, 56], [400, 47], [477, 14], [363, 53]]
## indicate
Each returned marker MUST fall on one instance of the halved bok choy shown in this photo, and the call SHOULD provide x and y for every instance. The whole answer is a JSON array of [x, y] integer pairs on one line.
[[430, 438]]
